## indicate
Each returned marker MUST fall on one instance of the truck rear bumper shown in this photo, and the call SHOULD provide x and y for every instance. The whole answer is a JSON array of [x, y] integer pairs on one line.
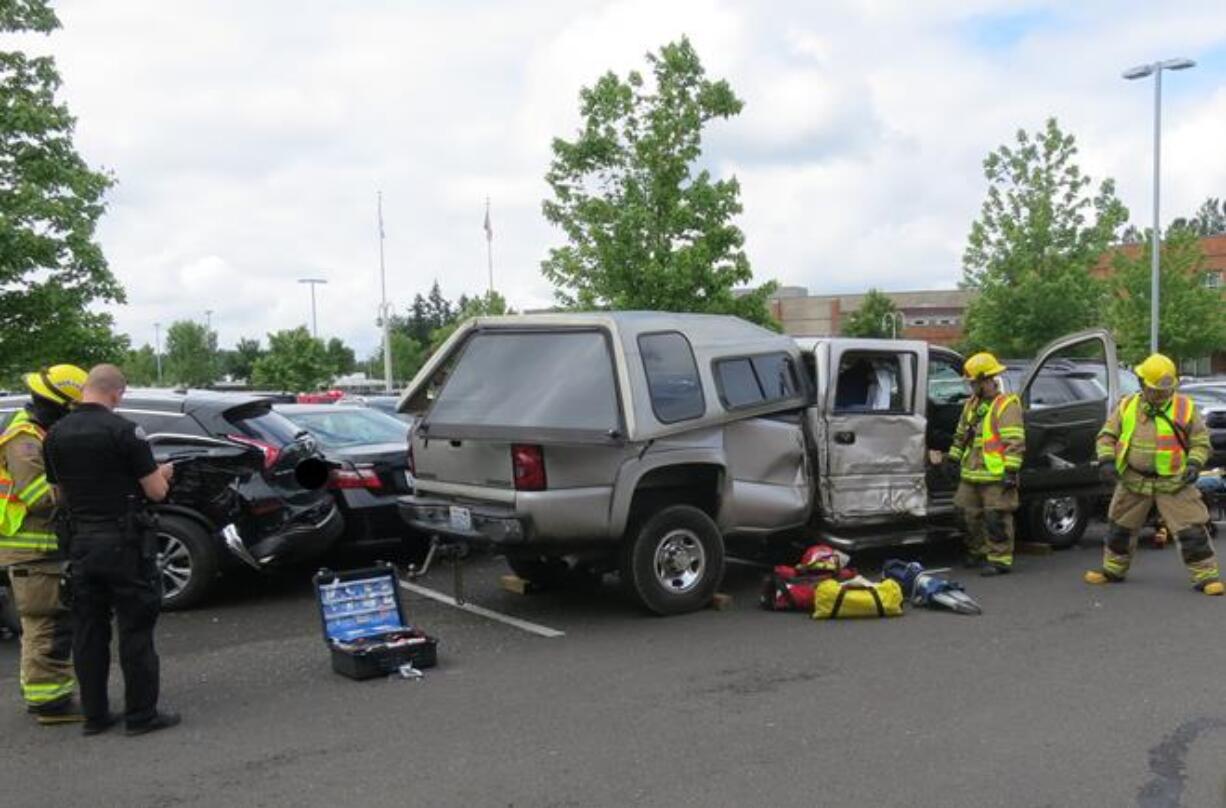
[[473, 523]]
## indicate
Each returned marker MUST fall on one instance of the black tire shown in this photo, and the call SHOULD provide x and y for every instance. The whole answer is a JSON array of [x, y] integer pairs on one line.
[[541, 571], [1057, 521], [673, 561], [187, 559]]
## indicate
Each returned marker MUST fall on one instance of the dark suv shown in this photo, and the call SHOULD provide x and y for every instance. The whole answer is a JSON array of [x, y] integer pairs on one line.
[[248, 488]]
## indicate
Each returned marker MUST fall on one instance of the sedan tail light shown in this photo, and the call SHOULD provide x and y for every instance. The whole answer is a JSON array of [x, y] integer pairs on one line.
[[528, 463], [354, 477], [271, 453]]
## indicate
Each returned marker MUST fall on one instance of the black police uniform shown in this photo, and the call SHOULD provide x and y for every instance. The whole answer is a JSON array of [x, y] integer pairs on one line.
[[97, 459]]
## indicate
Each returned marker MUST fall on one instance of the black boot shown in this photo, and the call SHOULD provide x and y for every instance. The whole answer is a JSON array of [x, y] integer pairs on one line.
[[992, 570]]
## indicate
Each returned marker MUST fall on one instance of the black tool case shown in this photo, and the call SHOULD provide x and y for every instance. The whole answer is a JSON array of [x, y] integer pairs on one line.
[[364, 625]]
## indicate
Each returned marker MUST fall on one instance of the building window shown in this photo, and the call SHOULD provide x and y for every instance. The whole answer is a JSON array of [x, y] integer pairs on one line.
[[919, 321], [1213, 279]]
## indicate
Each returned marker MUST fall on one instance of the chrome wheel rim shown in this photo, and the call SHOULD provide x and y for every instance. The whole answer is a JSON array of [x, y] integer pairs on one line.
[[174, 564], [1060, 515], [680, 561]]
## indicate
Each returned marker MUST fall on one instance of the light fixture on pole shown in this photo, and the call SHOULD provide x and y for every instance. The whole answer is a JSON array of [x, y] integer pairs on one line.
[[157, 349], [1141, 71], [894, 318], [313, 282]]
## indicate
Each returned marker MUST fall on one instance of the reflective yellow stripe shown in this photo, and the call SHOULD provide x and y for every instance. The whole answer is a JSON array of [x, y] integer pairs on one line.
[[35, 491], [45, 542], [43, 693]]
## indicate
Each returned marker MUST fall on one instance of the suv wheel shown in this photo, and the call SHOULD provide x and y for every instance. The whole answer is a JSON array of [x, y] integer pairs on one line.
[[1058, 521], [187, 560], [674, 561]]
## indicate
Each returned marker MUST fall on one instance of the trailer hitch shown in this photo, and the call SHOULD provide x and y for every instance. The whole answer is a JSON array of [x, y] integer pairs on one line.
[[440, 549]]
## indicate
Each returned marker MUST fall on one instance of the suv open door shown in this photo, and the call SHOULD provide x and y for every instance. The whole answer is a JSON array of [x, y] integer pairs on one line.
[[873, 446], [1060, 436]]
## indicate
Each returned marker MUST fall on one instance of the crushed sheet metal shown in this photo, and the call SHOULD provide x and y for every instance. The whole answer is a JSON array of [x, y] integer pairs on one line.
[[489, 614]]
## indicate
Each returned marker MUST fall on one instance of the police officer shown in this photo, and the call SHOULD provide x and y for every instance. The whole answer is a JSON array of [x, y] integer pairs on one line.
[[30, 549], [106, 473], [1153, 447]]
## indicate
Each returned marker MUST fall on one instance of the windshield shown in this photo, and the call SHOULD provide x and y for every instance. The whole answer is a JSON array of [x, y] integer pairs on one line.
[[1208, 398], [342, 428], [523, 380]]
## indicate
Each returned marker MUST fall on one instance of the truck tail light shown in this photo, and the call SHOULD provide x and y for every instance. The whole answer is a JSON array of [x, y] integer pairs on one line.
[[354, 477], [528, 462]]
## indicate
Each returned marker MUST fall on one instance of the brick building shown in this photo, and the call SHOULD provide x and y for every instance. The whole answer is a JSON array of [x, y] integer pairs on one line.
[[933, 316]]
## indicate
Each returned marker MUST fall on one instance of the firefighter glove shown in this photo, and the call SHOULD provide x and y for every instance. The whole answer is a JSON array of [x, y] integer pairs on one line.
[[1192, 474], [1107, 471], [1010, 481]]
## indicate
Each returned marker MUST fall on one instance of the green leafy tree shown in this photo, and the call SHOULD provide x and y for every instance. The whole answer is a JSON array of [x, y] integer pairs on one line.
[[341, 356], [644, 230], [140, 366], [190, 354], [51, 265], [1209, 219], [1040, 231], [239, 362], [490, 304], [408, 355], [1191, 317], [295, 361], [872, 319], [439, 311]]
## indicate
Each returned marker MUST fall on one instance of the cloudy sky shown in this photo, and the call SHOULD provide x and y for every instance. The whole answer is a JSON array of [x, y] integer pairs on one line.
[[249, 138]]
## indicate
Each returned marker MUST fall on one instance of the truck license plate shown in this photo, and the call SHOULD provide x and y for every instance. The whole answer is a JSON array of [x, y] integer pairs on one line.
[[461, 518]]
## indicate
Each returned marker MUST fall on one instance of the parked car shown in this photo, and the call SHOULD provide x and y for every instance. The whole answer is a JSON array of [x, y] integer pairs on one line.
[[1211, 399], [249, 487], [369, 454], [384, 404], [642, 441]]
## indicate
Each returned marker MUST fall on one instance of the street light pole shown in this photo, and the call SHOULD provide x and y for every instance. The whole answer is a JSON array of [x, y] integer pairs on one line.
[[313, 282], [1140, 72], [385, 311], [157, 349]]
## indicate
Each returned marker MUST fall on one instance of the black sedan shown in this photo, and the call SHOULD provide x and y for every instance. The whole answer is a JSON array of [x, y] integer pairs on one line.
[[369, 453]]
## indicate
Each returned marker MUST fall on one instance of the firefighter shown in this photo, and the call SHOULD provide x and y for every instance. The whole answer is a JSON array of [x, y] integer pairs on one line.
[[30, 549], [107, 475], [1153, 447], [987, 455]]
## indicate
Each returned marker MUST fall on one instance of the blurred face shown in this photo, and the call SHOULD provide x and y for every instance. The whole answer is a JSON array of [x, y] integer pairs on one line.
[[987, 388], [1157, 398]]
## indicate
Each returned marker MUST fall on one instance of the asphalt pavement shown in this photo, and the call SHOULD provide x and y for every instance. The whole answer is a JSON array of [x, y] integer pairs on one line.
[[1059, 695]]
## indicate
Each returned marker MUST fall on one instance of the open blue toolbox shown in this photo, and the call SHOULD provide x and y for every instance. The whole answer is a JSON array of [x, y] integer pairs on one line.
[[364, 624]]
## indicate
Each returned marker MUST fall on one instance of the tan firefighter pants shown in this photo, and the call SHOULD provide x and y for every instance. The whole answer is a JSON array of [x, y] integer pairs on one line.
[[46, 634], [988, 509]]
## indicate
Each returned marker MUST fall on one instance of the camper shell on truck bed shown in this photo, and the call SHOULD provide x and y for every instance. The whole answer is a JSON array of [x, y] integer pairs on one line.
[[640, 441]]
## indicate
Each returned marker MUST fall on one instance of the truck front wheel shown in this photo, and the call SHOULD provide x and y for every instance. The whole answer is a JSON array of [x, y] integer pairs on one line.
[[674, 560]]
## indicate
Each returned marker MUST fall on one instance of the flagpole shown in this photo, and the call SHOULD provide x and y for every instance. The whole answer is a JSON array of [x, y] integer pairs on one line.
[[385, 315], [489, 244]]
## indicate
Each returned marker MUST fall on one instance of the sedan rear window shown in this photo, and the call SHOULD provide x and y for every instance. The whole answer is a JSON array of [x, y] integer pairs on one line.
[[529, 380], [342, 428]]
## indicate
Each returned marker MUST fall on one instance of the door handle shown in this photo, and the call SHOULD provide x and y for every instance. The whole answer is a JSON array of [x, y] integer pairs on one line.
[[845, 438]]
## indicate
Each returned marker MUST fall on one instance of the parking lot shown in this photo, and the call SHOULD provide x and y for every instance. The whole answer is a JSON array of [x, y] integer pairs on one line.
[[1059, 694]]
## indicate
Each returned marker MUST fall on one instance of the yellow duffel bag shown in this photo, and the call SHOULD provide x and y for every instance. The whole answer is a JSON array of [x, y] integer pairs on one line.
[[857, 598]]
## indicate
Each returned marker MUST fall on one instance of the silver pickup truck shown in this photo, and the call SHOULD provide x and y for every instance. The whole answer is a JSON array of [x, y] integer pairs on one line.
[[643, 442]]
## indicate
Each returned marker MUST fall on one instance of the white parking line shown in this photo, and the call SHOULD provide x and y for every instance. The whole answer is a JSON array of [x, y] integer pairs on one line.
[[481, 611], [743, 562]]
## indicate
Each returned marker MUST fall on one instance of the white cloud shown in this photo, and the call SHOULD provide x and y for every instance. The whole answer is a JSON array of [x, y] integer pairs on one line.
[[249, 138]]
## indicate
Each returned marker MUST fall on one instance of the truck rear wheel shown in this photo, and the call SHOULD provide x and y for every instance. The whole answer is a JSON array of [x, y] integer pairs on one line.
[[674, 560]]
